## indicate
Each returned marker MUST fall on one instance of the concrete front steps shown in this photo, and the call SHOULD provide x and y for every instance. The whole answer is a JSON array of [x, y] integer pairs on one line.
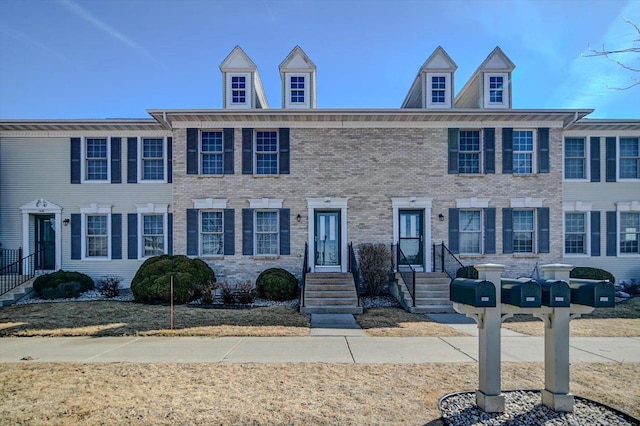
[[12, 296], [432, 293], [330, 293]]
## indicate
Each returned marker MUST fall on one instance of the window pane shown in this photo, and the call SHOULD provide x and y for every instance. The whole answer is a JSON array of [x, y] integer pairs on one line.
[[523, 231], [574, 158], [97, 236], [211, 221], [267, 233], [96, 164], [212, 244], [629, 232], [152, 159], [266, 222], [523, 151], [575, 233], [211, 149], [470, 231], [469, 151], [267, 153]]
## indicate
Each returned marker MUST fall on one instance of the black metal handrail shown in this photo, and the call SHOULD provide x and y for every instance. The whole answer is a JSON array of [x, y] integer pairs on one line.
[[305, 269], [445, 261], [408, 274], [17, 271], [355, 271]]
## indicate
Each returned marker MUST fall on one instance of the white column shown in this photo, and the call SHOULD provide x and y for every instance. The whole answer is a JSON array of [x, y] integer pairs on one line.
[[489, 394]]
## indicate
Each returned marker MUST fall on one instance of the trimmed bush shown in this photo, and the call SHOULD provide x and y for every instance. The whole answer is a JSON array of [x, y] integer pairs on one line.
[[467, 272], [70, 290], [152, 282], [276, 284], [46, 282], [375, 265], [587, 272]]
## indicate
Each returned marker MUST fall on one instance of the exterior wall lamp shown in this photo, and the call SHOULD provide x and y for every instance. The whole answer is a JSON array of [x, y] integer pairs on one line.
[[441, 217], [298, 218], [66, 222]]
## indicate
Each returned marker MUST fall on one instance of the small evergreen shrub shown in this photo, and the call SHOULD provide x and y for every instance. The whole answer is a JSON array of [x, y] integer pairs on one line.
[[51, 281], [70, 290], [152, 282], [375, 264], [587, 272], [276, 284], [109, 286], [467, 272]]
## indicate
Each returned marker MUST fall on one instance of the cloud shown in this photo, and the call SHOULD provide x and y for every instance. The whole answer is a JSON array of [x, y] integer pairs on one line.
[[107, 29]]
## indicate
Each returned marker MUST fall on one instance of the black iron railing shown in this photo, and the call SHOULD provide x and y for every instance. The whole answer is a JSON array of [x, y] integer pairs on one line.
[[406, 271], [445, 261], [15, 269], [305, 269], [355, 271]]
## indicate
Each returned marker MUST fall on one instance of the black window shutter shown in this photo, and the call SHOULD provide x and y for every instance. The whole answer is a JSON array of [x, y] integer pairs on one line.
[[132, 162], [454, 227], [595, 233], [192, 151], [116, 160], [612, 234], [507, 151], [611, 159], [285, 233], [116, 236], [228, 138], [490, 230], [454, 135], [284, 147], [247, 152], [192, 232], [507, 230], [75, 160], [489, 150], [543, 151], [132, 236], [76, 236], [594, 152], [229, 232], [247, 231], [169, 160], [543, 230], [170, 233]]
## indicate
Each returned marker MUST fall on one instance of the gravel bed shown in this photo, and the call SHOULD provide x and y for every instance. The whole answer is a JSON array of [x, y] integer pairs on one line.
[[524, 408], [91, 295]]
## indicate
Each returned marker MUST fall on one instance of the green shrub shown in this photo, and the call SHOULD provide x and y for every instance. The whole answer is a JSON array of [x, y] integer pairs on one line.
[[375, 264], [276, 284], [467, 272], [55, 279], [68, 290], [152, 282], [587, 272]]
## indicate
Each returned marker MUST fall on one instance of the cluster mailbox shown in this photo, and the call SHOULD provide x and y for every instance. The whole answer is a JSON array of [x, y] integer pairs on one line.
[[521, 293], [478, 293]]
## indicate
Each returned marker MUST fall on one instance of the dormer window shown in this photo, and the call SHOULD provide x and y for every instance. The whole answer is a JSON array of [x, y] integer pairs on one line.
[[496, 90], [297, 90], [438, 86], [239, 89], [438, 93], [496, 86], [239, 92]]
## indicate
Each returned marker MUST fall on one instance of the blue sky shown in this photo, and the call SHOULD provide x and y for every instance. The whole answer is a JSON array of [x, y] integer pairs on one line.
[[117, 58]]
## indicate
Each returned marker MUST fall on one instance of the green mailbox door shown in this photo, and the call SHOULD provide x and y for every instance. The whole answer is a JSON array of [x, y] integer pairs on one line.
[[555, 294], [478, 293], [524, 294]]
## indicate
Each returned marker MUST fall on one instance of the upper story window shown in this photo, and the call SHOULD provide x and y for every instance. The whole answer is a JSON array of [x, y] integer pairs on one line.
[[239, 89], [438, 90], [469, 151], [438, 87], [470, 231], [211, 233], [152, 159], [211, 153], [575, 158], [629, 158], [297, 89], [496, 90], [266, 153], [575, 233], [523, 152], [630, 233], [523, 231], [267, 233], [97, 236], [96, 159]]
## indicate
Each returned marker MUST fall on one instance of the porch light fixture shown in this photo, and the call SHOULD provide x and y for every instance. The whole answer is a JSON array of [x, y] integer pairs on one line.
[[66, 221], [441, 217], [298, 218]]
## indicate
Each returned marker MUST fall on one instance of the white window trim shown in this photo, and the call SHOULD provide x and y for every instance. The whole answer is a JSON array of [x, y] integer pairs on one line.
[[209, 210], [534, 153], [255, 232], [201, 153], [248, 89], [307, 81], [621, 179], [505, 90], [535, 237], [625, 207], [83, 163], [577, 207], [95, 209], [447, 91], [587, 159], [329, 203], [482, 230], [151, 209], [141, 178], [480, 153], [255, 152]]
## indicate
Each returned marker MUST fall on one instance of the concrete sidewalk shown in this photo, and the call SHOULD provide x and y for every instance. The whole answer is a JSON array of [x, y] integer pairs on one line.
[[325, 349]]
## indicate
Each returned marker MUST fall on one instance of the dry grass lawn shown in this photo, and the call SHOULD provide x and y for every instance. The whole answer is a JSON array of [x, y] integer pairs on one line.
[[396, 322], [110, 318], [257, 394], [621, 321]]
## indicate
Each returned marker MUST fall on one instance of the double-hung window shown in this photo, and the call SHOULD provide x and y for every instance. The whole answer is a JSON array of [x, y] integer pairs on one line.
[[469, 152], [629, 158], [96, 159], [438, 89], [630, 232], [470, 230], [266, 233], [496, 89], [575, 233], [523, 152], [211, 153], [97, 236], [239, 89], [523, 231], [152, 159], [575, 158], [266, 153], [152, 234], [211, 233], [297, 89]]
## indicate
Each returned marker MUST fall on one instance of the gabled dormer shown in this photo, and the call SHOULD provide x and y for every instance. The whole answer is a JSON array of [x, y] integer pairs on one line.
[[490, 85], [433, 86], [298, 75], [241, 85]]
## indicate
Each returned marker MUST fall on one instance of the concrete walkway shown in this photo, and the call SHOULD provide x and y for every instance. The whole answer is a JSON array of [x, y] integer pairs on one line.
[[335, 325], [326, 349]]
